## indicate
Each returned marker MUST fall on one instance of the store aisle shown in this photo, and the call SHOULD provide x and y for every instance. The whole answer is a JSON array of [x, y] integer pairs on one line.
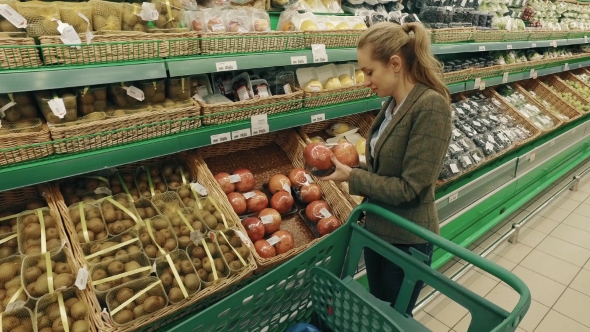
[[552, 258]]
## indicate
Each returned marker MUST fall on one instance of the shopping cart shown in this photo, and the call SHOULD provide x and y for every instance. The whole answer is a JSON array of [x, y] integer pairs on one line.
[[318, 284]]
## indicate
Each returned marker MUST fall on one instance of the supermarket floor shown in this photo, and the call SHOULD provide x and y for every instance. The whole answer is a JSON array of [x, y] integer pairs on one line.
[[552, 258]]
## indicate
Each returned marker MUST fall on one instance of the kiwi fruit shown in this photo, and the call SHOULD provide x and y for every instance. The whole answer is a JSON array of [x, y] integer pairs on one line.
[[207, 265], [159, 224], [224, 249], [166, 279], [243, 251], [153, 303], [219, 265], [175, 295], [198, 252], [229, 257], [116, 267], [138, 311], [99, 274], [80, 326], [61, 267], [8, 270], [79, 310], [203, 274], [191, 281], [210, 221], [63, 280], [124, 294], [235, 265], [198, 264], [123, 317]]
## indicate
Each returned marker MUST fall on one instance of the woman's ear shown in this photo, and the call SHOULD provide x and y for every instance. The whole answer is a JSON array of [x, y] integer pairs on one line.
[[395, 62]]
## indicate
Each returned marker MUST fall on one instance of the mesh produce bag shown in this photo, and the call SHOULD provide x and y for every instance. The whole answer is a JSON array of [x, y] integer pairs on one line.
[[91, 99], [11, 283], [119, 214], [176, 174], [46, 273], [168, 203], [39, 17], [119, 271], [131, 19], [234, 251], [23, 106], [208, 260], [8, 244], [88, 221], [69, 13], [171, 14], [106, 16], [184, 223], [5, 25], [179, 88], [145, 296], [38, 232], [106, 250], [21, 126], [84, 188], [69, 99], [178, 275], [17, 319], [157, 237], [52, 310]]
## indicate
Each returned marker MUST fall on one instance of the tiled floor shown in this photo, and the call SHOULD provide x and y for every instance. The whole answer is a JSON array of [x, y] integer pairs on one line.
[[552, 258]]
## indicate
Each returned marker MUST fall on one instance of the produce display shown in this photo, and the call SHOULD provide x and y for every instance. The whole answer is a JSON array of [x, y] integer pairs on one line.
[[526, 109], [570, 98], [564, 16]]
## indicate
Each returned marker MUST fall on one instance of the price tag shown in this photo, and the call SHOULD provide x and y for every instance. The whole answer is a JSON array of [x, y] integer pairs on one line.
[[57, 107], [259, 120], [273, 240], [325, 213], [504, 78], [249, 195], [308, 178], [89, 35], [298, 60], [476, 157], [240, 134], [477, 83], [482, 48], [148, 12], [234, 178], [554, 43], [4, 108], [319, 53], [13, 16], [135, 93], [318, 117], [226, 66], [566, 66], [260, 130], [482, 85], [198, 97], [453, 197], [244, 238], [534, 45], [586, 39], [196, 236], [532, 74], [508, 47], [268, 219], [532, 156], [199, 189], [454, 168], [82, 278], [220, 138], [286, 188], [68, 36], [467, 160]]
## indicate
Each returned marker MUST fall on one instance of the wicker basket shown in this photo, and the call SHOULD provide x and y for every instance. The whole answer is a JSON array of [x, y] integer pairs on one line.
[[559, 34], [336, 96], [486, 72], [251, 42], [557, 122], [559, 85], [514, 68], [457, 76], [332, 38], [282, 152], [117, 47], [452, 35], [363, 121], [540, 34], [21, 146], [129, 127], [18, 52], [554, 100], [242, 110], [516, 36], [481, 36]]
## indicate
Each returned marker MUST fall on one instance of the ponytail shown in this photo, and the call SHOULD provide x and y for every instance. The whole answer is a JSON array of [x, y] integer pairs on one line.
[[412, 42]]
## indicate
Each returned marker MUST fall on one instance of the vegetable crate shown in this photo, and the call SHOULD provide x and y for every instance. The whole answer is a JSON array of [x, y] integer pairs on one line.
[[318, 284]]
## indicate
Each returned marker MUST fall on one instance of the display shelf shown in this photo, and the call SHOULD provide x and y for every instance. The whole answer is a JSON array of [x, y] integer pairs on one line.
[[65, 77], [61, 166], [454, 48]]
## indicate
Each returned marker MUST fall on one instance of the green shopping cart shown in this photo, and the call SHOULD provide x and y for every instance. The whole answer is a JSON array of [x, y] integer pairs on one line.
[[318, 284]]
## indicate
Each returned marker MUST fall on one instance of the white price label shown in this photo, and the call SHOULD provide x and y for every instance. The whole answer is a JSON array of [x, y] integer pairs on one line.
[[554, 43], [202, 90], [249, 194], [287, 88], [308, 178], [286, 188], [82, 278], [325, 213], [467, 161], [68, 36], [585, 39], [532, 156], [4, 108], [260, 130], [234, 178], [482, 85], [240, 134], [476, 157], [103, 191], [482, 48], [534, 45], [13, 16], [226, 66], [244, 238], [148, 12], [259, 120], [268, 219], [319, 53], [508, 47], [196, 236], [454, 168], [197, 97], [477, 83], [57, 107], [453, 197], [273, 240], [463, 3], [566, 66], [504, 78], [199, 188], [135, 93], [220, 138], [14, 305], [298, 60], [318, 117], [532, 74]]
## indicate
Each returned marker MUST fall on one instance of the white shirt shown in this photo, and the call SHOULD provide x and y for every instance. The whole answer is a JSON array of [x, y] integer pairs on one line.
[[388, 116]]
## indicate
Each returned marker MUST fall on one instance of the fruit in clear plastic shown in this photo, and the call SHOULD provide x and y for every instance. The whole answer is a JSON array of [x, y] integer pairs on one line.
[[339, 128], [254, 227], [282, 202], [328, 225], [237, 202], [297, 177], [360, 76], [332, 83], [287, 242], [264, 249], [308, 25], [258, 202], [317, 155], [345, 81], [275, 225], [313, 86], [313, 210], [342, 26], [246, 182], [346, 153], [311, 192], [279, 182], [223, 180]]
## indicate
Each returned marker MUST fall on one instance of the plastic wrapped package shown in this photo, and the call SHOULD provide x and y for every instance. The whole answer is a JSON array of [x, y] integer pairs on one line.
[[24, 108], [237, 20], [542, 121], [68, 11], [455, 149], [131, 19], [465, 161], [466, 129], [478, 126], [461, 112], [178, 88], [260, 21], [106, 16], [216, 98], [488, 124], [118, 95], [194, 20], [214, 20], [502, 139], [91, 99], [44, 101], [487, 147], [5, 25], [466, 144], [456, 134], [154, 91], [451, 168], [171, 14]]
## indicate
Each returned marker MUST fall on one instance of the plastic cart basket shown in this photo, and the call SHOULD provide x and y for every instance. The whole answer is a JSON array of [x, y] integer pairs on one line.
[[309, 286]]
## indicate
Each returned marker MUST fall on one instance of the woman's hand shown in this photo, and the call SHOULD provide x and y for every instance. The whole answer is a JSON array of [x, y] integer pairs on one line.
[[342, 172]]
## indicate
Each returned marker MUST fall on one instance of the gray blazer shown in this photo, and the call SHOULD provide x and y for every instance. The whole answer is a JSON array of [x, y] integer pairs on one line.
[[408, 159]]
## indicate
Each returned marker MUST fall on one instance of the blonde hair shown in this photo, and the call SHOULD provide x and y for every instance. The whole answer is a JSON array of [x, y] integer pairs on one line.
[[412, 43]]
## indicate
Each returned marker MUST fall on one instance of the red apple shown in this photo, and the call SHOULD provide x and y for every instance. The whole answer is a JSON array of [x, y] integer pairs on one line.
[[246, 182], [328, 225], [287, 242], [264, 249], [282, 202], [271, 219], [223, 180], [311, 192], [346, 153], [297, 177], [317, 155], [237, 202], [257, 202], [279, 182], [313, 210], [254, 228]]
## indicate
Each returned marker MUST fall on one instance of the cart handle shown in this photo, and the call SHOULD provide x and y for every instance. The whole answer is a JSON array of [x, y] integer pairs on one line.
[[482, 310]]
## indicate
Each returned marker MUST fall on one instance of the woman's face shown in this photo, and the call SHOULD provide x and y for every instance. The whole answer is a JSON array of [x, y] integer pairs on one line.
[[378, 76]]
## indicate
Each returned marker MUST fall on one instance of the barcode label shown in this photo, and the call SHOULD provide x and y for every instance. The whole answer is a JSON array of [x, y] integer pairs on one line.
[[318, 118], [220, 138]]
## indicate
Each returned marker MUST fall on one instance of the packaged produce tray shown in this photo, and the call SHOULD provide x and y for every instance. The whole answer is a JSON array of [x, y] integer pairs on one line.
[[554, 100], [452, 35], [250, 42], [18, 51], [243, 110], [95, 131], [24, 140], [265, 156], [363, 121]]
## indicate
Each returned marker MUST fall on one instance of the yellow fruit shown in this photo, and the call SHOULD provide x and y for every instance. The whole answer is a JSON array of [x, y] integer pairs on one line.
[[342, 26], [360, 76], [360, 26], [308, 25], [313, 86], [339, 128], [317, 139], [332, 83], [342, 140], [346, 81], [361, 146], [330, 26], [288, 26]]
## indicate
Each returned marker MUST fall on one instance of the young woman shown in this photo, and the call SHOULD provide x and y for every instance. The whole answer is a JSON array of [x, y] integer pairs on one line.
[[406, 146]]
